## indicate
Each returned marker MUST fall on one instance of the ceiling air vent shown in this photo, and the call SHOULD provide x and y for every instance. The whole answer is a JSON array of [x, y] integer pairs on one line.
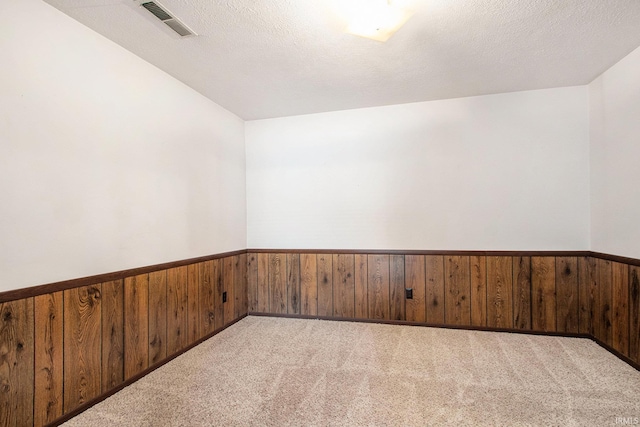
[[172, 22]]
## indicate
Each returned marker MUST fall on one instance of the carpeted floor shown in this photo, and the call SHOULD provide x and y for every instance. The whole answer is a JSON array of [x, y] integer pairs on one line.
[[289, 372]]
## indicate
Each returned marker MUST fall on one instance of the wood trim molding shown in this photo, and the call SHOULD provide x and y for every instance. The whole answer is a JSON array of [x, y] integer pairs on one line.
[[615, 352], [424, 324], [34, 291], [465, 328], [616, 258], [422, 252]]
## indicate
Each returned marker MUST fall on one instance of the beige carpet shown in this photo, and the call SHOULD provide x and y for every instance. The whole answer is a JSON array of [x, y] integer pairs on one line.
[[288, 372]]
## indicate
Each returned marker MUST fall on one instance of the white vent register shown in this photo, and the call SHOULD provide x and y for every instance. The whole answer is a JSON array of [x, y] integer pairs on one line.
[[166, 17]]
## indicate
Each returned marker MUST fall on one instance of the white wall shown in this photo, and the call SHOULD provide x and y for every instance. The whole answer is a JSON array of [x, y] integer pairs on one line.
[[499, 172], [106, 162], [615, 159]]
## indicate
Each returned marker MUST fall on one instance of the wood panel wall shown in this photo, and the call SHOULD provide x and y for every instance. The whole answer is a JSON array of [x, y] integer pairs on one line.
[[556, 294], [60, 350]]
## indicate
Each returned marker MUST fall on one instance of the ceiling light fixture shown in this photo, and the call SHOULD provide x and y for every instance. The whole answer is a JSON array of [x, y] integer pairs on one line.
[[376, 19]]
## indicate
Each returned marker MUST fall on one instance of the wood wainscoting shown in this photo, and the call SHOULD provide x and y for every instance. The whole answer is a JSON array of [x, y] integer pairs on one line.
[[64, 350], [570, 293], [67, 345]]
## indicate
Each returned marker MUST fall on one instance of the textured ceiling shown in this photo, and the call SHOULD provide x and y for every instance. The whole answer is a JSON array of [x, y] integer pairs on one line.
[[271, 58]]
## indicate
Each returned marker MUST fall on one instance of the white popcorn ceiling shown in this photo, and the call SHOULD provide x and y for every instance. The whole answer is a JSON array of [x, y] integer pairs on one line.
[[272, 58]]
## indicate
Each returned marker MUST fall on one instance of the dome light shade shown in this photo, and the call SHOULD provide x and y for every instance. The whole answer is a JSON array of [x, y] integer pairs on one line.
[[378, 20]]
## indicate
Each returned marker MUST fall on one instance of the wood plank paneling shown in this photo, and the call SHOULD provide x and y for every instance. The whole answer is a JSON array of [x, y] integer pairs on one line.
[[278, 283], [82, 345], [252, 282], [620, 311], [325, 284], [522, 292], [293, 283], [308, 285], [207, 296], [361, 289], [48, 358], [416, 280], [16, 362], [543, 292], [500, 291], [478, 265], [584, 296], [396, 288], [228, 281], [193, 303], [457, 283], [66, 348], [594, 296], [634, 313], [112, 334], [240, 285], [567, 294], [344, 285], [157, 316], [435, 289], [604, 283], [378, 269], [263, 283], [136, 325], [176, 309], [218, 287]]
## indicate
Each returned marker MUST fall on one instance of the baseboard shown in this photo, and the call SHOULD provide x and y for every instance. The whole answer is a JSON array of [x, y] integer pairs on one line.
[[465, 328], [138, 376], [615, 352]]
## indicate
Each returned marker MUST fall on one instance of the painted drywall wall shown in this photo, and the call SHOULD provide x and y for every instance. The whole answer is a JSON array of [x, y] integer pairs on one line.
[[106, 162], [498, 172], [615, 158]]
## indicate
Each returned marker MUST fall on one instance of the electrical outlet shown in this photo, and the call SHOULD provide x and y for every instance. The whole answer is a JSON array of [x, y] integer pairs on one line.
[[224, 297], [408, 293]]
